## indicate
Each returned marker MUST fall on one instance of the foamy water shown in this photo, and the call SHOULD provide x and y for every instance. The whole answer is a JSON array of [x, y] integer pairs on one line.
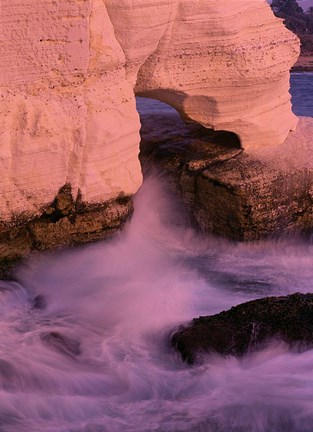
[[121, 300]]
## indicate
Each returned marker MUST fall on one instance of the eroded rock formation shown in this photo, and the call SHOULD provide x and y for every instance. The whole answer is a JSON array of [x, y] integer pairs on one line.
[[67, 112], [69, 71], [230, 192]]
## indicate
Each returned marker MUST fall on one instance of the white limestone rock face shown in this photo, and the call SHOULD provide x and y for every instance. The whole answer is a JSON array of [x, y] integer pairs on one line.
[[67, 113], [226, 65], [69, 70]]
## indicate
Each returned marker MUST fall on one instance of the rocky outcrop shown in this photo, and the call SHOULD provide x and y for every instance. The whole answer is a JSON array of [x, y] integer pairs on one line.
[[230, 192], [67, 112], [299, 19], [248, 327], [222, 64], [69, 74], [68, 105], [64, 223]]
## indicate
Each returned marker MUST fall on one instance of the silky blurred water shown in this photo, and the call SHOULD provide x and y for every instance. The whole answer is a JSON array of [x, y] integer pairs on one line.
[[110, 309]]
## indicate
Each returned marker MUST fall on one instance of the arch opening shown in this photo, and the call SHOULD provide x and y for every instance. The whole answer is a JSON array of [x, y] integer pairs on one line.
[[167, 137]]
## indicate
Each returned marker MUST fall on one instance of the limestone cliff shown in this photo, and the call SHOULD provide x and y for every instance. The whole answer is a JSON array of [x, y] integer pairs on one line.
[[230, 192], [224, 64], [69, 73], [67, 112]]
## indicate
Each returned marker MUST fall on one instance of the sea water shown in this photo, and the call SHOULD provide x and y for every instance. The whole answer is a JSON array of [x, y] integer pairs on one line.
[[302, 93], [110, 309]]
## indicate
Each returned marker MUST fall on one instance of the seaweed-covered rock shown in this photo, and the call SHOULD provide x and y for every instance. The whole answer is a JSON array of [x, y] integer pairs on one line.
[[247, 327]]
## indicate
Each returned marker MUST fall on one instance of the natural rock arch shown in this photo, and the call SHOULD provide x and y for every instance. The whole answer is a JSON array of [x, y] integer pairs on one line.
[[164, 129], [68, 114], [68, 106]]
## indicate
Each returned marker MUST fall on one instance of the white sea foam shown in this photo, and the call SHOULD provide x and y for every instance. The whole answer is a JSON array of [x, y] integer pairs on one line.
[[122, 299]]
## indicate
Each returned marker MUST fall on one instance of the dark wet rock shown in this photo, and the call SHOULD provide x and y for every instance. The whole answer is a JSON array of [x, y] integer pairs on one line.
[[228, 191], [248, 327], [39, 302], [62, 343], [64, 223]]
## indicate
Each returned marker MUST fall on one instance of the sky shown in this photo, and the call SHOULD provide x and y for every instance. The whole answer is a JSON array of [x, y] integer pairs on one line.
[[305, 4]]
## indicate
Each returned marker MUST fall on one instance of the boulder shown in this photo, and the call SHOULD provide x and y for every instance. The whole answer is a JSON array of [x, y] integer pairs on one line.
[[248, 327]]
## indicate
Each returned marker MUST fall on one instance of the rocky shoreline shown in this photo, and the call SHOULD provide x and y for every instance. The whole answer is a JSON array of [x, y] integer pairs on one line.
[[229, 192], [65, 223], [249, 327]]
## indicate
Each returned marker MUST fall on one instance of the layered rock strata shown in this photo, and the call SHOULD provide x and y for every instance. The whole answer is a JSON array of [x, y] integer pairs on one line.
[[70, 70], [64, 223], [229, 192]]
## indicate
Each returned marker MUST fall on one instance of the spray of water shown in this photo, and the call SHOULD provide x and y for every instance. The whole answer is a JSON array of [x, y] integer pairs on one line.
[[91, 353]]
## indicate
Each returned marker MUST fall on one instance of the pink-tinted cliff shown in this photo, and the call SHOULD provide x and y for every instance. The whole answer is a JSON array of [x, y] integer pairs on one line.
[[69, 73]]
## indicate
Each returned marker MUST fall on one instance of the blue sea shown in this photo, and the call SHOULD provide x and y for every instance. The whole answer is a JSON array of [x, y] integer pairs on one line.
[[301, 89]]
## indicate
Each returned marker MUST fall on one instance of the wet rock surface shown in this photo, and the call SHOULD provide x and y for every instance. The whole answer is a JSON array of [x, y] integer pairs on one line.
[[64, 223], [228, 191], [248, 327]]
